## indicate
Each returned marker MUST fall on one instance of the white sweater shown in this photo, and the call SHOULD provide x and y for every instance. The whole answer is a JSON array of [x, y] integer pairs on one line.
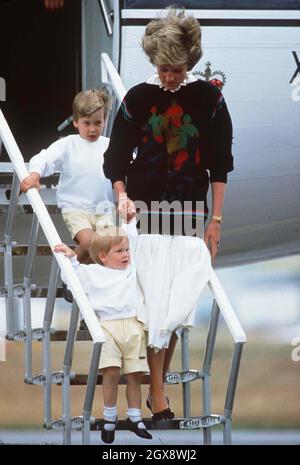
[[113, 294], [82, 185]]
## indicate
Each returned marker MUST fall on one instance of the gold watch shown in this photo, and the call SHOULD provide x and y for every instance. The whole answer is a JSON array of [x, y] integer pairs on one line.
[[219, 219]]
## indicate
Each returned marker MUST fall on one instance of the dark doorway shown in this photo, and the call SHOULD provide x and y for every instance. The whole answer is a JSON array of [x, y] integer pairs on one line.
[[40, 60]]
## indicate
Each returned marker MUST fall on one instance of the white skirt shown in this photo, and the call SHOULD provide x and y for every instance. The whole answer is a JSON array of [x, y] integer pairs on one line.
[[172, 272]]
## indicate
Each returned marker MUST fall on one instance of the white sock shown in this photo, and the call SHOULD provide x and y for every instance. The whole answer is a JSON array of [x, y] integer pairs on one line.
[[135, 415], [110, 414]]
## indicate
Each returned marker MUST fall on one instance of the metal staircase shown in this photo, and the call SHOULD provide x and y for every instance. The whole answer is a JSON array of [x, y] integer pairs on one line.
[[18, 300]]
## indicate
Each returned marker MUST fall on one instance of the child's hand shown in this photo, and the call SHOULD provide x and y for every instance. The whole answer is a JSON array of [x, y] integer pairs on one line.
[[65, 250], [33, 180], [126, 208]]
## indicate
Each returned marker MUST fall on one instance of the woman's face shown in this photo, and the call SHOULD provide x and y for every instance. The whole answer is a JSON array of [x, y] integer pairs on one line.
[[171, 76]]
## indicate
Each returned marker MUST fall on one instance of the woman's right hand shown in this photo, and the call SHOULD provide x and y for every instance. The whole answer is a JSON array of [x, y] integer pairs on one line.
[[212, 238], [33, 180], [126, 208]]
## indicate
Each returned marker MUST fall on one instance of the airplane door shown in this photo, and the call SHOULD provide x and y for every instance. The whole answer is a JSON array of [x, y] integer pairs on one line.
[[98, 29], [40, 61]]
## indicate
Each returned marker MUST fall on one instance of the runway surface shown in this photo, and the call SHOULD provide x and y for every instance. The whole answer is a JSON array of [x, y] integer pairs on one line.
[[239, 437]]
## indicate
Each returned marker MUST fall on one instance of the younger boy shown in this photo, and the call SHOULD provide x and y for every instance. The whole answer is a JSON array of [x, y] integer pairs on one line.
[[111, 286], [84, 194]]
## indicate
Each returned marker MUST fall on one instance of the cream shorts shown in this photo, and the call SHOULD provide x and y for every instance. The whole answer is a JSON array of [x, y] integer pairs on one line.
[[125, 345], [76, 221]]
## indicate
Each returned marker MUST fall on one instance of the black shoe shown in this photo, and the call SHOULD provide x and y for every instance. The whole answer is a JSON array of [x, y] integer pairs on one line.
[[166, 414], [83, 326], [134, 427], [108, 436], [66, 293]]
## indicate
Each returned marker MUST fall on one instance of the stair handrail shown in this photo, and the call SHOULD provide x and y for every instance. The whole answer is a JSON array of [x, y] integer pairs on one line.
[[111, 77], [226, 309], [51, 233]]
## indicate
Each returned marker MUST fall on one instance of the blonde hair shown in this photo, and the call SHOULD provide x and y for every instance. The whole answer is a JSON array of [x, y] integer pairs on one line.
[[88, 101], [104, 239], [173, 40]]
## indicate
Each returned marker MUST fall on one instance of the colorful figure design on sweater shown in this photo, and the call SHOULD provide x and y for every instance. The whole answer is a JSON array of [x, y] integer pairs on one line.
[[176, 130], [156, 123]]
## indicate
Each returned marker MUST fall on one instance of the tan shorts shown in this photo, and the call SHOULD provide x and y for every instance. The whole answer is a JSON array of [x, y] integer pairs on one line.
[[76, 221], [125, 346]]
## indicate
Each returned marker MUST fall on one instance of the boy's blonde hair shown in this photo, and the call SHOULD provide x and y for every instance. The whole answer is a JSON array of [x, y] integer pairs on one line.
[[104, 239], [173, 40], [88, 101]]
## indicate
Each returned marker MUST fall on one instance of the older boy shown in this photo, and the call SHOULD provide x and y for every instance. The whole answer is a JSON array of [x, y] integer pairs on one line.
[[84, 194]]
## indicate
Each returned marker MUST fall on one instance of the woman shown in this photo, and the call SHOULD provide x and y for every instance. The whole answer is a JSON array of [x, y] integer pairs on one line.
[[181, 129]]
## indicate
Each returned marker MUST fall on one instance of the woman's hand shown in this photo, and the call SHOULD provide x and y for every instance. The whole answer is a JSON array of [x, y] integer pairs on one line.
[[126, 208], [65, 250], [212, 238], [33, 180]]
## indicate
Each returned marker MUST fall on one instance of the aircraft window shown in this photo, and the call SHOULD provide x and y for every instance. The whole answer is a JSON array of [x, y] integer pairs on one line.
[[216, 4]]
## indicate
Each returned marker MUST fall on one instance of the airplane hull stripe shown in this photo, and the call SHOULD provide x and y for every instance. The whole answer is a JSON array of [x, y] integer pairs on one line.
[[226, 22]]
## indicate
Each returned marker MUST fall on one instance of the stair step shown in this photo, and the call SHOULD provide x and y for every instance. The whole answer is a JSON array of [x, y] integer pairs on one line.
[[57, 377], [41, 250], [61, 335], [6, 176], [170, 378], [81, 380], [56, 336], [37, 335], [42, 292], [97, 425], [183, 376], [36, 291], [180, 423], [177, 423]]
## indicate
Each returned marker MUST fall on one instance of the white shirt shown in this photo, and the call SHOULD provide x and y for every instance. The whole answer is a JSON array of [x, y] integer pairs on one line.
[[113, 294], [82, 185]]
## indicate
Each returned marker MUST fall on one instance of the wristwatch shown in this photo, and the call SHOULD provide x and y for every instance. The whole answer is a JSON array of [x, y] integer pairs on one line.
[[217, 218]]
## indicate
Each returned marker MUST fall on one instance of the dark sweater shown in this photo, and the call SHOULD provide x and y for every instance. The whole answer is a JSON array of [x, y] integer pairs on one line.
[[178, 135]]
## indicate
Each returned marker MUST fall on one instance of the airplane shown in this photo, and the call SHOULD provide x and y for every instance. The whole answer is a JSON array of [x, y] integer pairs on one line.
[[251, 51]]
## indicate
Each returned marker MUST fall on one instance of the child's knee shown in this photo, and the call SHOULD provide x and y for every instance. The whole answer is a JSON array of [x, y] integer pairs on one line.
[[111, 375], [134, 378]]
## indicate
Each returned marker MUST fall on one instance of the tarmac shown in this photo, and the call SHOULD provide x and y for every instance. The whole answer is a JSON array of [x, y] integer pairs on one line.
[[161, 438]]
